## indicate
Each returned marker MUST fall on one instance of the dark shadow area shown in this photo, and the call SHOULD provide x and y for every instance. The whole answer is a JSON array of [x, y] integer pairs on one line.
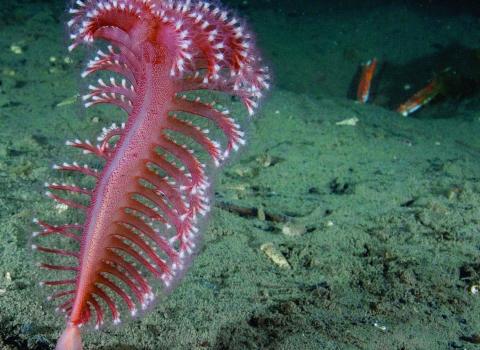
[[300, 8], [312, 8]]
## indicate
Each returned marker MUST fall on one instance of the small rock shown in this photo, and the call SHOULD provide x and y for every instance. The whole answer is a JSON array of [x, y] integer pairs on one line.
[[453, 193], [293, 230], [265, 160]]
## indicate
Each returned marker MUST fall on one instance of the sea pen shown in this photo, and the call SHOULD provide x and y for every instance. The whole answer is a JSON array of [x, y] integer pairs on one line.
[[142, 213]]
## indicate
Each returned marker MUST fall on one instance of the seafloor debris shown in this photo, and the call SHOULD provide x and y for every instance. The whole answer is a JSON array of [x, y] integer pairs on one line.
[[68, 101], [350, 121], [251, 212], [275, 255], [266, 160]]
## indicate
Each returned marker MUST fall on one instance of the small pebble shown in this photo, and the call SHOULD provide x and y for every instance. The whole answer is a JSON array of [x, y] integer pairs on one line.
[[379, 326], [245, 171], [9, 72], [474, 289], [261, 214], [61, 207], [16, 49]]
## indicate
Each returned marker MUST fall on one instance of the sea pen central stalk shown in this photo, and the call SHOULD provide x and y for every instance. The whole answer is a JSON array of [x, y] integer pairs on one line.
[[119, 177]]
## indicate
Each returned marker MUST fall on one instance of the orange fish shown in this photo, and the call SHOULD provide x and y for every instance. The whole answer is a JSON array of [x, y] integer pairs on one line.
[[421, 98], [368, 70]]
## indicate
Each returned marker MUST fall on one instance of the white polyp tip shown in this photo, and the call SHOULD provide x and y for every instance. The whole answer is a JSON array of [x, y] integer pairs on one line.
[[41, 284], [116, 321], [35, 234], [68, 143], [34, 247], [133, 312], [49, 298], [35, 220]]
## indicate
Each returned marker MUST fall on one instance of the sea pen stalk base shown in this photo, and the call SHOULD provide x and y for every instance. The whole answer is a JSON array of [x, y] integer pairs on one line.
[[70, 339]]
